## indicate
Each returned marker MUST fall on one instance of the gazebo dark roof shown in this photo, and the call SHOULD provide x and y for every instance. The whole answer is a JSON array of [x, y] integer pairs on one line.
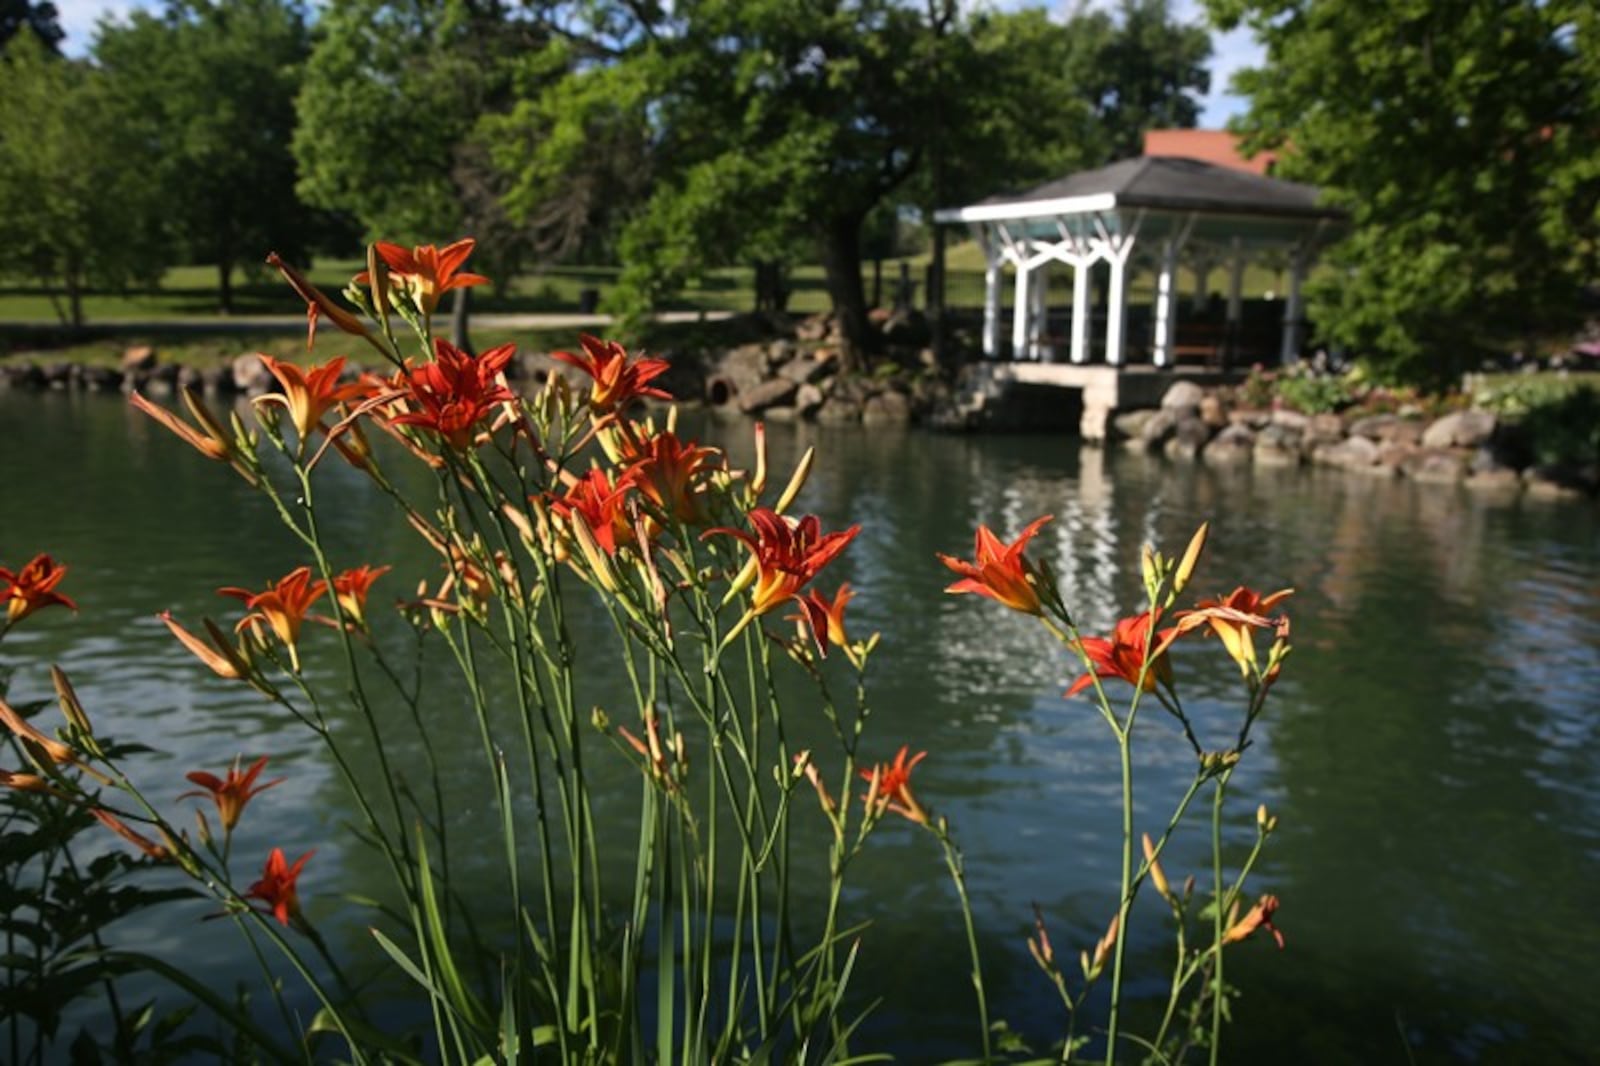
[[1171, 183]]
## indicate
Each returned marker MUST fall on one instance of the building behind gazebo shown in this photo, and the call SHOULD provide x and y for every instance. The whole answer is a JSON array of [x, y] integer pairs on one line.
[[1152, 210]]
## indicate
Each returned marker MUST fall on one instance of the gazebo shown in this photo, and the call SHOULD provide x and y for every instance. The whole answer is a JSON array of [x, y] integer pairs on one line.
[[1163, 209]]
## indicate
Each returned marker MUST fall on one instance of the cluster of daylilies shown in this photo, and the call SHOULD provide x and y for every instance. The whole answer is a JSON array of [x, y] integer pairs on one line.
[[690, 560]]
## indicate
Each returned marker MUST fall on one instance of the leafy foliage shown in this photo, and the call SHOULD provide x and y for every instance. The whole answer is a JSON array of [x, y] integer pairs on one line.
[[213, 84], [40, 18], [1460, 137], [76, 203]]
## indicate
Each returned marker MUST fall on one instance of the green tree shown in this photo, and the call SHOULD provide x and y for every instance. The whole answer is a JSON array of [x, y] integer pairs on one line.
[[392, 94], [42, 18], [78, 206], [777, 127], [1460, 135], [214, 82], [1147, 72]]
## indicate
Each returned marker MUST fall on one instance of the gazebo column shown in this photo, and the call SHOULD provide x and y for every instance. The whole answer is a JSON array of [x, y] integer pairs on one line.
[[1038, 312], [1166, 304], [1201, 265], [1117, 310], [1292, 309], [1235, 298], [991, 299], [1021, 312], [1081, 267]]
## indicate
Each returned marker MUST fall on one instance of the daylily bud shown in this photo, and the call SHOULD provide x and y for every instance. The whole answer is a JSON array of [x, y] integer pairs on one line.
[[1191, 555], [797, 481], [71, 707], [1158, 877], [599, 562], [1150, 569], [1265, 822], [1213, 763], [758, 480], [378, 280]]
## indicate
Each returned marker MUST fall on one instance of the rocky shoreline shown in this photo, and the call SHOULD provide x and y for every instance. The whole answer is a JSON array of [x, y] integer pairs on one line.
[[798, 378], [1472, 448]]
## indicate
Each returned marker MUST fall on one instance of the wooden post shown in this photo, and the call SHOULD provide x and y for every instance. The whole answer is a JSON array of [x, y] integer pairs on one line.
[[1233, 334], [1292, 309], [1021, 312], [1166, 310]]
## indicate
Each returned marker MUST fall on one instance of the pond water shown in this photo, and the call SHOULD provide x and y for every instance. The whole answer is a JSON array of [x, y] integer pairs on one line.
[[1431, 752]]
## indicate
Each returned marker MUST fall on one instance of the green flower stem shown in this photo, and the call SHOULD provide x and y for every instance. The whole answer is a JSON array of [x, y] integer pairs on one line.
[[952, 861]]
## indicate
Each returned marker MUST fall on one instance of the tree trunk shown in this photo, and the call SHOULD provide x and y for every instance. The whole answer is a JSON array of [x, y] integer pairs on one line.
[[460, 309], [840, 242], [225, 286]]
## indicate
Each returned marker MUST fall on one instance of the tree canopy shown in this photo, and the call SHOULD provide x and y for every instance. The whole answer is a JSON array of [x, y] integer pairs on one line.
[[777, 125], [1460, 135], [41, 18], [77, 207], [212, 83]]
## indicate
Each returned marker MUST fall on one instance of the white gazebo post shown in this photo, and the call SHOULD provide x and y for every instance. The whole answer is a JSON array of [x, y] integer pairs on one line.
[[1292, 309], [1117, 251], [1082, 264], [991, 293], [1201, 265], [1235, 296], [1038, 312], [1021, 312], [1166, 332]]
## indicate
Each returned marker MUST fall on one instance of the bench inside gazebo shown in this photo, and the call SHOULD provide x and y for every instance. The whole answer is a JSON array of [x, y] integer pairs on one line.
[[1160, 211]]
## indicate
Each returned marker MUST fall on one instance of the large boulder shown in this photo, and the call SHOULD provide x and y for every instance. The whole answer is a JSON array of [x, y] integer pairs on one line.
[[888, 408], [250, 375], [1279, 445], [1189, 436], [1128, 424], [1460, 429], [1348, 454], [1325, 428], [1437, 466], [1158, 430], [138, 357], [1234, 445], [839, 410], [1181, 395], [775, 392]]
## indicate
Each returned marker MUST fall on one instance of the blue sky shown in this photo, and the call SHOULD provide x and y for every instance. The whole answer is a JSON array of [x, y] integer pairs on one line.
[[1230, 51]]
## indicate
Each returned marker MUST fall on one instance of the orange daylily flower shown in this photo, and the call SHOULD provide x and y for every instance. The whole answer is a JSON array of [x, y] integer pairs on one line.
[[426, 272], [31, 588], [788, 554], [601, 505], [231, 793], [826, 617], [282, 606], [318, 303], [277, 886], [455, 392], [616, 380], [891, 786], [664, 469], [1257, 917], [1123, 655], [1002, 572], [308, 394], [351, 587], [1233, 617]]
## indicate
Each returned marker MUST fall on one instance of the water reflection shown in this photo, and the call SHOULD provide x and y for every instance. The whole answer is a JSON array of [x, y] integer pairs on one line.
[[1432, 754]]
